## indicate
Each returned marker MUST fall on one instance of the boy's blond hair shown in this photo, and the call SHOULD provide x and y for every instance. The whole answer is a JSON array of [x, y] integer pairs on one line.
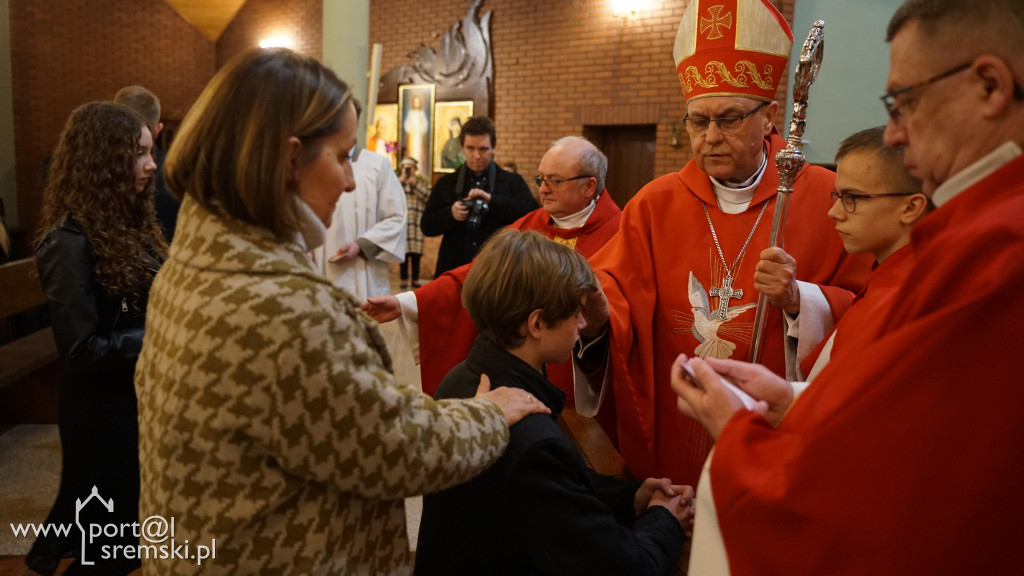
[[517, 273]]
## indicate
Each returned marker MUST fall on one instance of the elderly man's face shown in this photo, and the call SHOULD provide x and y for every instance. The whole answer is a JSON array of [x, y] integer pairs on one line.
[[733, 156], [566, 198], [931, 116]]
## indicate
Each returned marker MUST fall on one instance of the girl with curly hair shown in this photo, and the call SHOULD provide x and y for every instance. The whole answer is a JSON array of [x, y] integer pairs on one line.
[[98, 248]]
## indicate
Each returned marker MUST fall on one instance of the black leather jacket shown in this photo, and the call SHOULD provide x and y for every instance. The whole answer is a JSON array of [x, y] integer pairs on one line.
[[95, 330]]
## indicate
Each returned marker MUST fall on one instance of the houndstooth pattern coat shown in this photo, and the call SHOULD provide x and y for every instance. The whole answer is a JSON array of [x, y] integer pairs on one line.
[[269, 419], [416, 195]]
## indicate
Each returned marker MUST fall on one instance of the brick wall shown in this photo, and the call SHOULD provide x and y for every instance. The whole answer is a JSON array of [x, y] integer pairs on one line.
[[560, 65], [300, 21], [66, 53]]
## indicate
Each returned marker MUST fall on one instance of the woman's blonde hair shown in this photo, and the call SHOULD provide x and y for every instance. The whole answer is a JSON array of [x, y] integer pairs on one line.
[[92, 177], [517, 273], [232, 155]]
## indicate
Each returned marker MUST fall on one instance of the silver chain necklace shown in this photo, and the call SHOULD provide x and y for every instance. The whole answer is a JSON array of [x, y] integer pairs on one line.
[[726, 292]]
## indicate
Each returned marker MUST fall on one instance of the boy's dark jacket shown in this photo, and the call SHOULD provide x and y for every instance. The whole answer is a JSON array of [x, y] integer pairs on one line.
[[538, 509]]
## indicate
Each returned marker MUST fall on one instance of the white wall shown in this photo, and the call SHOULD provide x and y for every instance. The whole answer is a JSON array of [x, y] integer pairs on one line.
[[7, 182], [844, 98], [347, 46]]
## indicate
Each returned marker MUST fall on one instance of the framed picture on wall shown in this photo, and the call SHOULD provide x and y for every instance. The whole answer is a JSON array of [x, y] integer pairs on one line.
[[382, 133], [416, 106], [448, 120]]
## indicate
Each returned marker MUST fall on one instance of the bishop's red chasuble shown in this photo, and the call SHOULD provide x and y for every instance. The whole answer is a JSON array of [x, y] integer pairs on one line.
[[447, 332], [870, 306], [663, 278], [904, 456]]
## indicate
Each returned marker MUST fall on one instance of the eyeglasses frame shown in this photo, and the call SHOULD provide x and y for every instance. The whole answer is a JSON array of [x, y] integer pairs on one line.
[[715, 121], [554, 183], [889, 98], [842, 196]]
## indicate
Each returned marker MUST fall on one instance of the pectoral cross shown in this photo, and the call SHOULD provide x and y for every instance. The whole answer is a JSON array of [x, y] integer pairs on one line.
[[716, 22], [725, 293]]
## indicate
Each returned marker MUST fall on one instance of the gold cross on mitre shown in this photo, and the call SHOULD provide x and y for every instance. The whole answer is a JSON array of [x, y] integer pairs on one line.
[[716, 22]]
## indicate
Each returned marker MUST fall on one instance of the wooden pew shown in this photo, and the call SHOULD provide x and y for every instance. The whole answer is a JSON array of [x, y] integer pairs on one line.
[[26, 361], [600, 454], [598, 451]]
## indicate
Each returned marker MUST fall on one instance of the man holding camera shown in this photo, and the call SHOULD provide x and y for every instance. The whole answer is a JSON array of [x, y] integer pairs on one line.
[[470, 204]]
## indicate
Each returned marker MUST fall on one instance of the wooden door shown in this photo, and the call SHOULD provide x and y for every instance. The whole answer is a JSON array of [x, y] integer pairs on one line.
[[630, 151]]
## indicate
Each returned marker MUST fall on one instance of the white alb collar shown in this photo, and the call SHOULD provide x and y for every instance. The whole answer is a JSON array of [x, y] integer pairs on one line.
[[576, 220], [974, 173]]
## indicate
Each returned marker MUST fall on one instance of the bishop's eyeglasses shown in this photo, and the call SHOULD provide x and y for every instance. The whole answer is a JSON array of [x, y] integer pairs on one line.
[[850, 200], [699, 125]]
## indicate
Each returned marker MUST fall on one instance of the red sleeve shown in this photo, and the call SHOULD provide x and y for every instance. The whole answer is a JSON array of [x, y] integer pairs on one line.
[[446, 331]]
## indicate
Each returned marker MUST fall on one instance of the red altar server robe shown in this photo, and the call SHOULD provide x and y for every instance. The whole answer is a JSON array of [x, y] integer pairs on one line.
[[870, 306], [447, 332], [904, 457], [657, 273]]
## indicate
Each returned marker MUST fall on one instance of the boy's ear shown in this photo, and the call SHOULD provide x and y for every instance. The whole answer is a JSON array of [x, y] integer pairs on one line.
[[916, 207], [534, 323]]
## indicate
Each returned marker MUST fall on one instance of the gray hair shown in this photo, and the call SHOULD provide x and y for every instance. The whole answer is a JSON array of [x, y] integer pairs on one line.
[[592, 160], [1007, 15]]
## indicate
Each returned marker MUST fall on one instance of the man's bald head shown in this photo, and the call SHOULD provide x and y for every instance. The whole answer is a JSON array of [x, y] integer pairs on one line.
[[580, 170]]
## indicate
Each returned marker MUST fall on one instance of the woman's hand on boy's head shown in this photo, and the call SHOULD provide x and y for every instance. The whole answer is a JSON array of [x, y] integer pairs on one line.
[[595, 311], [515, 403]]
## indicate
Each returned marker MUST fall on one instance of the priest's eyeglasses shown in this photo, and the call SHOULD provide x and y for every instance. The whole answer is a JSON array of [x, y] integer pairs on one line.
[[699, 125], [890, 99], [850, 200], [555, 182]]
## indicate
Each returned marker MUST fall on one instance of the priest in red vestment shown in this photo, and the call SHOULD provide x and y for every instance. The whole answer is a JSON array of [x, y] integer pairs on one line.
[[576, 210], [904, 456], [684, 272]]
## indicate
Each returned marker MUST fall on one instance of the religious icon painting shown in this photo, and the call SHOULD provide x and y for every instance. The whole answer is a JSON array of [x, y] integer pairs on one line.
[[382, 133], [416, 106], [448, 120]]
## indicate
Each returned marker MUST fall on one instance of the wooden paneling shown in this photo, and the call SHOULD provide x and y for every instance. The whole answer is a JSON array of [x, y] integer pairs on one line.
[[210, 17]]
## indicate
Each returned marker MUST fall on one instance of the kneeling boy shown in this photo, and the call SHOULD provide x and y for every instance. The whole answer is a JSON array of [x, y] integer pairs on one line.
[[539, 509]]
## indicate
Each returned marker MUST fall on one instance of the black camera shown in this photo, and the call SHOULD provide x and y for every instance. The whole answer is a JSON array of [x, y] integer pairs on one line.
[[477, 210]]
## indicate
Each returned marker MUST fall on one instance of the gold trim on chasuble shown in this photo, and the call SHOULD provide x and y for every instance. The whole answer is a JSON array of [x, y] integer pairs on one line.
[[570, 242], [706, 323]]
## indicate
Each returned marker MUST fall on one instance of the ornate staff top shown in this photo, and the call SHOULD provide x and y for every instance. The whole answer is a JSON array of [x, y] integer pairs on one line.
[[805, 74], [790, 160]]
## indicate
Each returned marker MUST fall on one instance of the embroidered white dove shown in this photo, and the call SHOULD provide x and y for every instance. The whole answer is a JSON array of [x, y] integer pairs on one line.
[[706, 325]]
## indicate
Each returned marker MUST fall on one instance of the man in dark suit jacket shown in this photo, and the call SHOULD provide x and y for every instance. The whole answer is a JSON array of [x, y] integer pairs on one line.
[[470, 204]]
